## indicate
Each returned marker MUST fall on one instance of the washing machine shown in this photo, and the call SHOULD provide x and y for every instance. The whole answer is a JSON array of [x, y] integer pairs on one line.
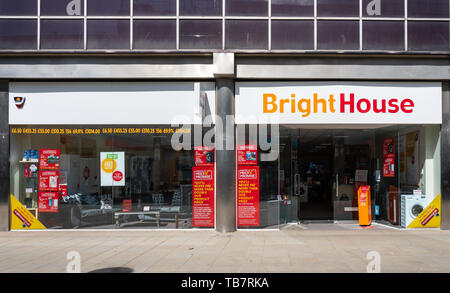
[[411, 207]]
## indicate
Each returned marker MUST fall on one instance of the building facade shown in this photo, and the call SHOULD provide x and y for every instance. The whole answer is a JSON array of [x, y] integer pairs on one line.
[[223, 114]]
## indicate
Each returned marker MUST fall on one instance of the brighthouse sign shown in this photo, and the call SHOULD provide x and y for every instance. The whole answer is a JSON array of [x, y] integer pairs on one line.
[[339, 103]]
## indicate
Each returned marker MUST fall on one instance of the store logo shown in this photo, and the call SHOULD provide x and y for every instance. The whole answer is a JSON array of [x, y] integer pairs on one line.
[[347, 103], [19, 102], [247, 174], [203, 175]]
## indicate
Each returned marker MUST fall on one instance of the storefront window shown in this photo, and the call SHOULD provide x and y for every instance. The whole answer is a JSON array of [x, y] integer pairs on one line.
[[102, 176]]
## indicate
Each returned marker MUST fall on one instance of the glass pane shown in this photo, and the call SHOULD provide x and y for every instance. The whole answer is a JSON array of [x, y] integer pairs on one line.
[[428, 8], [293, 8], [108, 34], [109, 7], [201, 7], [428, 36], [62, 34], [18, 7], [338, 35], [154, 7], [154, 34], [18, 34], [338, 8], [58, 7], [383, 35], [246, 34], [246, 7], [390, 8], [200, 34], [292, 35]]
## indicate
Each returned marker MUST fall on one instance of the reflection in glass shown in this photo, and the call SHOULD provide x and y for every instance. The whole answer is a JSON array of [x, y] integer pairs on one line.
[[294, 35], [18, 34], [154, 34], [428, 36], [200, 34], [108, 34], [338, 35], [246, 7], [201, 7], [246, 34], [60, 8], [383, 35], [292, 7], [428, 8], [62, 34], [338, 8], [154, 7], [391, 8], [18, 7], [109, 7]]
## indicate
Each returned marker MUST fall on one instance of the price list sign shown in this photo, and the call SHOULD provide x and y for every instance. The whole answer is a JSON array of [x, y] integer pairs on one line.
[[203, 197], [248, 196]]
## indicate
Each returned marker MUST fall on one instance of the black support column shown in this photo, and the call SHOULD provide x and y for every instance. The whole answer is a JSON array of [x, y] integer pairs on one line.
[[445, 157], [225, 158], [4, 157]]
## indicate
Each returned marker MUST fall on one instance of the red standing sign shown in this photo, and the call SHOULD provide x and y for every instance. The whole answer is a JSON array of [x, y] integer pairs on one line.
[[203, 196], [248, 196]]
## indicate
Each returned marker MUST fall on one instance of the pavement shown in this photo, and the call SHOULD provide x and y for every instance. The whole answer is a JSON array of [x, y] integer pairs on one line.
[[296, 248]]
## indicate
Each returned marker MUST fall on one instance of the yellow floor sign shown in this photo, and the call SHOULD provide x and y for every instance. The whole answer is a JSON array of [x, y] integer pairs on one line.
[[21, 218], [430, 217]]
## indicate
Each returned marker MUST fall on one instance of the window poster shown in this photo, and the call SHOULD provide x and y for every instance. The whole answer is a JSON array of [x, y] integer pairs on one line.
[[389, 157], [48, 202], [112, 166], [412, 158], [204, 156], [49, 180], [248, 196], [49, 159], [203, 196], [247, 154]]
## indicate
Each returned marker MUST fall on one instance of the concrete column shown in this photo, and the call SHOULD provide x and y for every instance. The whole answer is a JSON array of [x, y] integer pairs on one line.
[[225, 157], [445, 157], [4, 157]]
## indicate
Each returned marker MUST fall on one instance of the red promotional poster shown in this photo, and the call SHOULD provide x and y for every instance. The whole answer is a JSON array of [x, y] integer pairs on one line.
[[247, 154], [62, 190], [248, 196], [48, 202], [203, 196], [49, 159], [389, 157], [204, 156], [49, 181], [126, 205]]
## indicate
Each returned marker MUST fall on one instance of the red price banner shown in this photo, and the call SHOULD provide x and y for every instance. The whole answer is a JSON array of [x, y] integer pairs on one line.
[[204, 156], [248, 195], [48, 202], [49, 181], [203, 196], [247, 154], [49, 159]]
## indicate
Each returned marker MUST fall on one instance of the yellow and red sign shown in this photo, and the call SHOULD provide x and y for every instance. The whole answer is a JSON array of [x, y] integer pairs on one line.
[[430, 217], [364, 209], [21, 218]]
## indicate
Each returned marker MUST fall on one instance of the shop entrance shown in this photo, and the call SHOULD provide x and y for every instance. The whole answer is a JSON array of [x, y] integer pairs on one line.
[[320, 171]]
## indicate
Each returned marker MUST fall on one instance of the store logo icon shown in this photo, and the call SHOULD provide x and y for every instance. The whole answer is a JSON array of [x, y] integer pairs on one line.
[[19, 102]]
